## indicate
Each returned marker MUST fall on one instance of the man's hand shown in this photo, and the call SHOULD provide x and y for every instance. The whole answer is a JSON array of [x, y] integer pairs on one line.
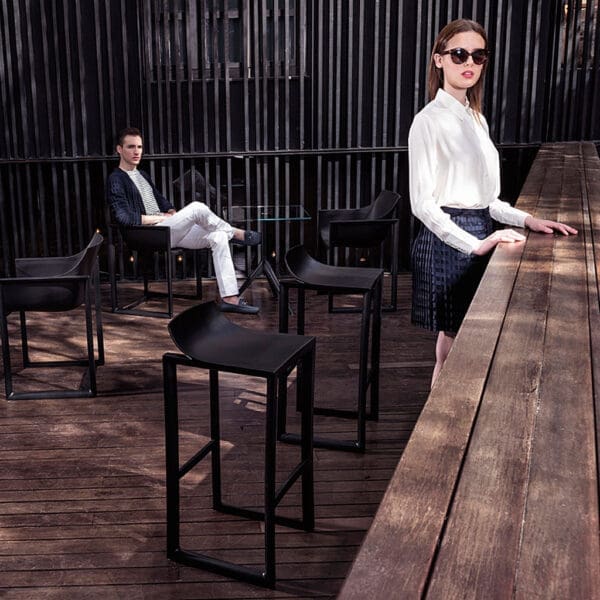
[[155, 219]]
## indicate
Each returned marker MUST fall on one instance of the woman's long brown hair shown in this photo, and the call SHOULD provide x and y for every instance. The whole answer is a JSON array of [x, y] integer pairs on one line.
[[435, 76]]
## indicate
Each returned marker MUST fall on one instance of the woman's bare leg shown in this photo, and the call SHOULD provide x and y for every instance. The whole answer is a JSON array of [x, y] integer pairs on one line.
[[442, 348]]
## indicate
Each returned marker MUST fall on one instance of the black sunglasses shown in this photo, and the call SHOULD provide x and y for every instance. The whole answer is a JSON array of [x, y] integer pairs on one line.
[[459, 56]]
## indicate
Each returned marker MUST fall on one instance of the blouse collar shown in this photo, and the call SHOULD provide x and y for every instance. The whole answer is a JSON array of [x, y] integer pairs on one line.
[[450, 102]]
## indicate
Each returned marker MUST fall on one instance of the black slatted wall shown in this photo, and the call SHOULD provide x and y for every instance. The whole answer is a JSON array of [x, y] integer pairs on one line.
[[275, 102]]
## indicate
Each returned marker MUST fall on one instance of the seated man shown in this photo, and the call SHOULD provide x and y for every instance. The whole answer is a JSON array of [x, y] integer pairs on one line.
[[135, 200]]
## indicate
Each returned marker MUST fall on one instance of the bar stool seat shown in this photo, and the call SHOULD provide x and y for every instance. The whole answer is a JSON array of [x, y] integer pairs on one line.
[[209, 340], [310, 274]]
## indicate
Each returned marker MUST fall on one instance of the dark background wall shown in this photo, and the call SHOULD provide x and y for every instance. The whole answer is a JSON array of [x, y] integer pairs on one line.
[[273, 101]]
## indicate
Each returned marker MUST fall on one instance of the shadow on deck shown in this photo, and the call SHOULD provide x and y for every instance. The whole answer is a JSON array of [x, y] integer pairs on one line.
[[82, 493]]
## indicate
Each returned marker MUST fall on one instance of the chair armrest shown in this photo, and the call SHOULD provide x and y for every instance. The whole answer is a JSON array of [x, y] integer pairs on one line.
[[341, 214], [50, 280], [364, 233]]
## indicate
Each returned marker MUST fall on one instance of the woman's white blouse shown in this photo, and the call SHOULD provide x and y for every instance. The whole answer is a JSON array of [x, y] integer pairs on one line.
[[454, 163]]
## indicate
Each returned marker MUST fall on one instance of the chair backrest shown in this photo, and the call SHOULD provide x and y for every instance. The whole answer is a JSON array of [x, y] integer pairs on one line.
[[190, 177], [85, 261], [42, 284], [384, 206], [300, 263]]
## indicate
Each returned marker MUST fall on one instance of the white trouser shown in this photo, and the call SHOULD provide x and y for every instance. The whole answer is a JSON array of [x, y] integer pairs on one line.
[[195, 226]]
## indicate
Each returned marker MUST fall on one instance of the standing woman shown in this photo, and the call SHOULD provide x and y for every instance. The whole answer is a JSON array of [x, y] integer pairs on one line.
[[454, 186]]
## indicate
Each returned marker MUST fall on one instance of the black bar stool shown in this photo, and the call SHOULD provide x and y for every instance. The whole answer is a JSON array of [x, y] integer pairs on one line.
[[309, 274], [210, 341]]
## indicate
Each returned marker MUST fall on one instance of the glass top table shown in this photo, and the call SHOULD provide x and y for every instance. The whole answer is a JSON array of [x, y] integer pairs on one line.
[[263, 213], [239, 215]]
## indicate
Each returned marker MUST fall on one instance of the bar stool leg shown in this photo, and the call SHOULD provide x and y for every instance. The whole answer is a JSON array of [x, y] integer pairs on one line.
[[301, 313], [363, 370], [305, 388], [284, 295], [172, 456], [215, 435], [269, 489]]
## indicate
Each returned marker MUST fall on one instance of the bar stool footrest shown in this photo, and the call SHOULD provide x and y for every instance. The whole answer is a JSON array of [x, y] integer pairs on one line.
[[327, 443], [343, 413], [221, 567]]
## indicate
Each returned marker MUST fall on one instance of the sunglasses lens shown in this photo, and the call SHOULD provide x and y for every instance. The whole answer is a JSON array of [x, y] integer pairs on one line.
[[459, 56], [479, 56]]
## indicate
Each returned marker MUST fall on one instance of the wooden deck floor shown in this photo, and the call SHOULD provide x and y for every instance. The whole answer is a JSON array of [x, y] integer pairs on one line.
[[82, 494]]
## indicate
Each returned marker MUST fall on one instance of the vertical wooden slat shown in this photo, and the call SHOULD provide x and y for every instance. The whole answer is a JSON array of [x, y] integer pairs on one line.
[[216, 93], [98, 43], [178, 26], [287, 40], [302, 47], [386, 76], [32, 84], [4, 92], [227, 103], [41, 191], [12, 124], [111, 75], [276, 133], [4, 224], [193, 59], [317, 57], [398, 90]]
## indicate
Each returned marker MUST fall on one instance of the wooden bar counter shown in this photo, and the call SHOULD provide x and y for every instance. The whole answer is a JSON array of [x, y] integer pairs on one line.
[[496, 494]]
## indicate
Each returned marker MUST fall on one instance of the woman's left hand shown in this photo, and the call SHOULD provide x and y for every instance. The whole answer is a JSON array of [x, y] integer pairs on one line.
[[545, 226]]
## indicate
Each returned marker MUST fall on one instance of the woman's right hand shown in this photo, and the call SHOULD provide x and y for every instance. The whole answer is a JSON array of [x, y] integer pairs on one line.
[[502, 235]]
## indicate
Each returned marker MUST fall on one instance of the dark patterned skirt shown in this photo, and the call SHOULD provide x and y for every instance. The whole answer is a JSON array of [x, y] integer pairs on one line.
[[444, 279]]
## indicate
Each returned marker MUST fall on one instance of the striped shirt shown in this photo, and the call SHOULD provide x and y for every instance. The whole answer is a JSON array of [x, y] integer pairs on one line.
[[145, 190]]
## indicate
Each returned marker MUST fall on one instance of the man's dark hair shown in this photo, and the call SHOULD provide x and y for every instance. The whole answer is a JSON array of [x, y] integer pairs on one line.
[[128, 131]]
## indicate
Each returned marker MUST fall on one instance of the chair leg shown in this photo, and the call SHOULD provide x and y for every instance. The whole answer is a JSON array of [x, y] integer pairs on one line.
[[198, 272], [5, 353], [98, 307], [89, 328], [24, 339], [112, 274], [375, 350], [169, 274]]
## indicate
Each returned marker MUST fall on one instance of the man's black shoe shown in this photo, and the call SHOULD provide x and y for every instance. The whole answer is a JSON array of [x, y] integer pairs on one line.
[[251, 238], [241, 307]]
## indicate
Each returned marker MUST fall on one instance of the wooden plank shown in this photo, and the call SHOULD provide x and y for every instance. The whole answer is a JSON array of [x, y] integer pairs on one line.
[[400, 548], [591, 211], [403, 539], [481, 541], [481, 549], [560, 550]]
